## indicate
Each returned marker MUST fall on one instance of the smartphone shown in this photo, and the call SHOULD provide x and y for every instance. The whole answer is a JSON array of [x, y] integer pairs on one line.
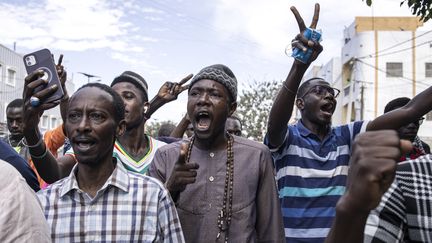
[[43, 59]]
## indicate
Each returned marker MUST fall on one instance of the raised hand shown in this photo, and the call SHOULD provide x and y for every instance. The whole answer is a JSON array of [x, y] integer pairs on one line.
[[182, 174], [32, 113], [61, 73], [372, 169], [300, 41], [63, 77], [170, 90]]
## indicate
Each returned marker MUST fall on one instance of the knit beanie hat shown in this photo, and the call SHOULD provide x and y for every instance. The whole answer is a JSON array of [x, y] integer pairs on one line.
[[219, 73], [134, 78]]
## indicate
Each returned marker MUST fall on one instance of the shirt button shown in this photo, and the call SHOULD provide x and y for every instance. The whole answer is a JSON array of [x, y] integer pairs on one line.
[[212, 155], [211, 178]]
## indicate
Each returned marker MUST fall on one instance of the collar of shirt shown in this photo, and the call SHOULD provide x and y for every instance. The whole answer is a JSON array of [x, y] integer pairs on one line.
[[305, 132], [119, 178]]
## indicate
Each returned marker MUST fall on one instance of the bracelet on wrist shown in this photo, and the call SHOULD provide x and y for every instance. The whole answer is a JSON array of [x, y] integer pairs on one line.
[[39, 156], [287, 89], [34, 145]]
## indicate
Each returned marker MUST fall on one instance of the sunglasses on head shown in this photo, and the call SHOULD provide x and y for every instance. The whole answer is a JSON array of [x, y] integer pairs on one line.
[[322, 90]]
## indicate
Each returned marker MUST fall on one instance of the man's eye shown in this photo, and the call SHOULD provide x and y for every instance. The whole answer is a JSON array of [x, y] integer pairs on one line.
[[193, 94], [74, 116], [96, 116]]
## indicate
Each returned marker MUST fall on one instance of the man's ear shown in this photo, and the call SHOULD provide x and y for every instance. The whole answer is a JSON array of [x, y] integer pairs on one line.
[[121, 128], [300, 103], [146, 107], [233, 107]]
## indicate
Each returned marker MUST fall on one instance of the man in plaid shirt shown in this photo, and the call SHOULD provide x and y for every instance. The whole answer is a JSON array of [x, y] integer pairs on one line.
[[384, 201], [100, 200], [405, 211]]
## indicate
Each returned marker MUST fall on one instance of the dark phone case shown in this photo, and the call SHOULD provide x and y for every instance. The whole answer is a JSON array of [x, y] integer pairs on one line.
[[44, 60]]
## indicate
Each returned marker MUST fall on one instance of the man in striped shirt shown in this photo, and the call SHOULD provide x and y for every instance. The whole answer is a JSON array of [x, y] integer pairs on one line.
[[312, 157]]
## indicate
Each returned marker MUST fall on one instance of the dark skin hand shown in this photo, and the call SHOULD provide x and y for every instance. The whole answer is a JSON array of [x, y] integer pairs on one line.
[[281, 110], [34, 80], [63, 77], [167, 93], [182, 174], [180, 129], [300, 41], [372, 170], [48, 167]]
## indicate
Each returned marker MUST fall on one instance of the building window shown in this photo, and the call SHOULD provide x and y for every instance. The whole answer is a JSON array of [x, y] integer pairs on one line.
[[428, 68], [429, 116], [1, 73], [4, 112], [45, 121], [11, 77], [394, 69], [53, 122]]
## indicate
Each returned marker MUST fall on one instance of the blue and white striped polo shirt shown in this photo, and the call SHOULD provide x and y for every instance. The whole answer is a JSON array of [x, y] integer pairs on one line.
[[311, 177]]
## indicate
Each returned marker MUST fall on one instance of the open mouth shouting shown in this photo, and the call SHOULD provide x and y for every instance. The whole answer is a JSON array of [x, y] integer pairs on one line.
[[202, 121], [327, 109], [83, 144]]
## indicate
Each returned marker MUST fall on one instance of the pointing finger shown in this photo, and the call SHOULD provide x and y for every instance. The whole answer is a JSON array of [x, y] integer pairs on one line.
[[60, 60], [183, 152]]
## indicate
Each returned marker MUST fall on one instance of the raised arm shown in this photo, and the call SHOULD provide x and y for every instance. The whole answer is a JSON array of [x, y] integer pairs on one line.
[[413, 111], [167, 93], [372, 170], [282, 108], [63, 77], [180, 129], [46, 164]]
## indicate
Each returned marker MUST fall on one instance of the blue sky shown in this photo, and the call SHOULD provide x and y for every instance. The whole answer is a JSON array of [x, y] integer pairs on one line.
[[168, 39]]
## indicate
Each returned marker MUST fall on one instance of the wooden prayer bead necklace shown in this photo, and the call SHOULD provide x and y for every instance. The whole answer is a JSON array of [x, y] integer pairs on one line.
[[225, 215]]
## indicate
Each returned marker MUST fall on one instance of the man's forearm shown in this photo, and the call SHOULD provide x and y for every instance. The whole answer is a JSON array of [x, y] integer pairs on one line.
[[180, 129], [414, 110], [282, 107], [45, 163], [348, 225]]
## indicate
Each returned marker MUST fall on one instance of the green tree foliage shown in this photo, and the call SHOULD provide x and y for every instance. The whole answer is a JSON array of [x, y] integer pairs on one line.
[[421, 8], [254, 107], [152, 127]]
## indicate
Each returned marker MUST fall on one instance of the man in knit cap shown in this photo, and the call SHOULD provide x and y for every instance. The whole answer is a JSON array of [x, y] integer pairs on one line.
[[223, 185]]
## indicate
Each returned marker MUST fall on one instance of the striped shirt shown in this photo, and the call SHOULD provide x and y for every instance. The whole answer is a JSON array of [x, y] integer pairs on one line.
[[311, 177], [405, 211], [129, 207], [141, 165]]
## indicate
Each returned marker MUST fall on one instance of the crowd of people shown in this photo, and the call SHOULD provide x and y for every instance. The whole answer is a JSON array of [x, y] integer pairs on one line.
[[201, 181]]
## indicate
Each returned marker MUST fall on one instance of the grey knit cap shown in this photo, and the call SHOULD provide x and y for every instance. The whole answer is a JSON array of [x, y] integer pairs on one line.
[[219, 73]]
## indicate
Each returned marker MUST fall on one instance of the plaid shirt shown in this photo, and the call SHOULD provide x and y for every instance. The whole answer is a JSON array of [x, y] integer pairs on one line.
[[128, 208], [405, 211]]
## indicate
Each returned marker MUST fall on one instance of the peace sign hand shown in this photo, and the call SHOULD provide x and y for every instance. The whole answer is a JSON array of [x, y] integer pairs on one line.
[[300, 41], [170, 90]]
